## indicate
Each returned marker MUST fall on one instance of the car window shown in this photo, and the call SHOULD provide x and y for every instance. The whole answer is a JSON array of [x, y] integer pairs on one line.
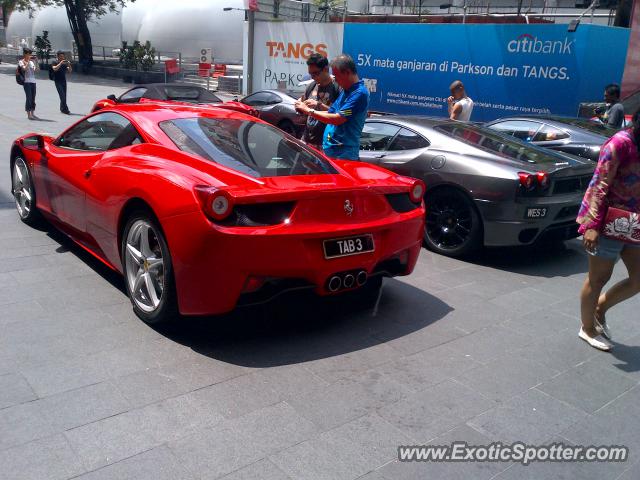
[[261, 98], [548, 134], [377, 135], [522, 129], [256, 149], [104, 131], [132, 95], [190, 94], [408, 140]]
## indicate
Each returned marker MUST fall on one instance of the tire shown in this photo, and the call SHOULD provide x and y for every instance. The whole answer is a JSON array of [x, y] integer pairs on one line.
[[452, 225], [24, 192], [148, 271], [288, 127]]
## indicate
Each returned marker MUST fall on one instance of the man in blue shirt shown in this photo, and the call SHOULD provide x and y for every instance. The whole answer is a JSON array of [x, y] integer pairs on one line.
[[346, 115]]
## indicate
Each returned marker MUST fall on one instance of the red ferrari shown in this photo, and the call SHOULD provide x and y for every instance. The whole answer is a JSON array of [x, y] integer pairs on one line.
[[173, 94], [203, 209]]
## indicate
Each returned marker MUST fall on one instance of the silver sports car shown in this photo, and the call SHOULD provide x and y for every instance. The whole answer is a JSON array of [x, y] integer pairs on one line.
[[483, 188], [278, 108]]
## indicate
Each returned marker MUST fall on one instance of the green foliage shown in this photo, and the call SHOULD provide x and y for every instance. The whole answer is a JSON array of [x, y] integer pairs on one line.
[[43, 46], [145, 56], [91, 8], [128, 55]]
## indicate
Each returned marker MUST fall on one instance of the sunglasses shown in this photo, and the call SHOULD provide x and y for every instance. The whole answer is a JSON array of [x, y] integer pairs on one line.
[[315, 73]]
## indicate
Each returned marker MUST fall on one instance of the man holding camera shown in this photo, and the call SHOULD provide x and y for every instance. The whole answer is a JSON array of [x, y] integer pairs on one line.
[[60, 78]]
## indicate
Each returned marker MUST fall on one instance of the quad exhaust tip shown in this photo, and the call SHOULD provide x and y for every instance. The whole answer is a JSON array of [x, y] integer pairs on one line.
[[346, 280]]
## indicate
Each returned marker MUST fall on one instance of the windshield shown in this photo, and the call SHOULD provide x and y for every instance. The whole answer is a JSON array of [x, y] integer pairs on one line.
[[497, 144], [594, 127], [249, 147]]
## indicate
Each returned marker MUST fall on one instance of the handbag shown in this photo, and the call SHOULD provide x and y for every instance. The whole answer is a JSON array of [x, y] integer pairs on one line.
[[622, 225], [19, 76]]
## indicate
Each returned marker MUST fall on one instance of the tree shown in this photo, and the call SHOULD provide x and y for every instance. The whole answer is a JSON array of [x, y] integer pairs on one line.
[[78, 12], [7, 7]]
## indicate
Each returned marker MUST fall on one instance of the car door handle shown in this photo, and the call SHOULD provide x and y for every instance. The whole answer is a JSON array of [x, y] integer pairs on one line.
[[382, 155], [87, 173]]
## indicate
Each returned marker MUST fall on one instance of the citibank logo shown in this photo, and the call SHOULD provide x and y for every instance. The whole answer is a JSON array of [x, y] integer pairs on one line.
[[295, 50], [527, 43]]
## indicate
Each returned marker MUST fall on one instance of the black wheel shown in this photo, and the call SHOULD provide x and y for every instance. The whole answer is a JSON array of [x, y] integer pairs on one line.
[[148, 271], [287, 127], [452, 227], [24, 192]]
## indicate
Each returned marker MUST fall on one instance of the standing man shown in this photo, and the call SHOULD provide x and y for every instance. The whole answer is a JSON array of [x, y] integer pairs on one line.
[[460, 106], [345, 118], [60, 78], [28, 66], [319, 95], [614, 115]]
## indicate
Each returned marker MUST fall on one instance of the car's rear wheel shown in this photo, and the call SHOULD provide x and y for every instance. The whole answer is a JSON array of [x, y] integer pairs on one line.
[[287, 127], [148, 271], [453, 226], [23, 192]]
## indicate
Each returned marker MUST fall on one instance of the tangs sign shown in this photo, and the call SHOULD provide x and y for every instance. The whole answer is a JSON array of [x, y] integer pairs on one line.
[[281, 51]]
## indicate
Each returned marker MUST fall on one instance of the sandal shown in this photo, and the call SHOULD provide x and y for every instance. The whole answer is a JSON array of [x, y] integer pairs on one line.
[[598, 342]]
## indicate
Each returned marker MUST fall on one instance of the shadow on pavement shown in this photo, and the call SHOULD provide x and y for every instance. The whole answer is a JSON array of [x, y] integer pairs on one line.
[[629, 355], [301, 327], [561, 259]]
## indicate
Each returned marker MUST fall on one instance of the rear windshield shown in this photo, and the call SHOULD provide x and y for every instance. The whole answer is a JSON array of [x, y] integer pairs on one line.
[[252, 148], [497, 144], [193, 94]]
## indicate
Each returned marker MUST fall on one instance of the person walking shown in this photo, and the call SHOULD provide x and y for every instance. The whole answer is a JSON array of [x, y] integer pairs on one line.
[[614, 114], [609, 208], [319, 95], [460, 105], [60, 71], [345, 118], [28, 66]]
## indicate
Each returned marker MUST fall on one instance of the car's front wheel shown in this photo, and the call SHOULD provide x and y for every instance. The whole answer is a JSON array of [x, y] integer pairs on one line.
[[452, 227], [23, 192], [148, 271]]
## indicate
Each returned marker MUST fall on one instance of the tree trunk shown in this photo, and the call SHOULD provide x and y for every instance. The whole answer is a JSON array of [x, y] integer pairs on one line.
[[623, 14], [78, 23]]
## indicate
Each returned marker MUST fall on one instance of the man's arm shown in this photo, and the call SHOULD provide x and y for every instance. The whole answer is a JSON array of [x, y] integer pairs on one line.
[[456, 110], [69, 66], [324, 117]]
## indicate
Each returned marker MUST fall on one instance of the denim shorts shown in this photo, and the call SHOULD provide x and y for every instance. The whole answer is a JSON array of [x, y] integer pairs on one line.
[[610, 249]]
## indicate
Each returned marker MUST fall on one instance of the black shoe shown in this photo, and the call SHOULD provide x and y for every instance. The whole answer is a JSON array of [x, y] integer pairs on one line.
[[66, 112]]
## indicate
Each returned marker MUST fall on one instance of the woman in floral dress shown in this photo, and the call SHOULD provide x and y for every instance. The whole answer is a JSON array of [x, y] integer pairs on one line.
[[615, 183]]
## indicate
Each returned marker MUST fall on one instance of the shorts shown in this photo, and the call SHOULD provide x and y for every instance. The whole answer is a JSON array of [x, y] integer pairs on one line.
[[610, 249]]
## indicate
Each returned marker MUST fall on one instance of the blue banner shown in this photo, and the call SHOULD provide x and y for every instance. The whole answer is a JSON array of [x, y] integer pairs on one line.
[[506, 69]]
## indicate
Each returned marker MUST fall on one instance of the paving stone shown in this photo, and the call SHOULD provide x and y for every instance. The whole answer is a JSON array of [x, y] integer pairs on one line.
[[22, 424], [435, 410], [14, 390], [486, 345], [156, 464], [122, 436], [530, 418], [506, 377], [49, 458], [576, 386], [75, 408], [261, 470]]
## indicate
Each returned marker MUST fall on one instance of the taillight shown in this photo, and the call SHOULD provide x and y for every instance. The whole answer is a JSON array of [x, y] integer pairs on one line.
[[527, 180], [417, 191], [216, 203], [543, 180]]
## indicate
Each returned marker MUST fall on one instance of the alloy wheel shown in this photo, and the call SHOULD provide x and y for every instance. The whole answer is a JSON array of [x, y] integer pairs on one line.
[[22, 189], [144, 266]]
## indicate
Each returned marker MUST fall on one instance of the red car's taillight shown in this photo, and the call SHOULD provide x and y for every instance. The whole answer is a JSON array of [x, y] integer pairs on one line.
[[530, 181], [216, 203], [417, 191], [543, 180]]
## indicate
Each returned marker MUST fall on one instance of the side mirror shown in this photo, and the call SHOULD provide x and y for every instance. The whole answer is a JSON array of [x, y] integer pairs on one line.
[[35, 142], [112, 97]]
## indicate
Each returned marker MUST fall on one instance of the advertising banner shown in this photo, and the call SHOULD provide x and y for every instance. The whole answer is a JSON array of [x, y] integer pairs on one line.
[[506, 69], [281, 50]]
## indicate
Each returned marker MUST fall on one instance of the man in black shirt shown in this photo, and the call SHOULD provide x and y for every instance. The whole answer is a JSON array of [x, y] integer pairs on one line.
[[319, 95], [60, 78]]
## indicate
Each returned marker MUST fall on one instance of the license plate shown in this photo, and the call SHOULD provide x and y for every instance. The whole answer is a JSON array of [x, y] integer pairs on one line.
[[341, 247], [536, 212]]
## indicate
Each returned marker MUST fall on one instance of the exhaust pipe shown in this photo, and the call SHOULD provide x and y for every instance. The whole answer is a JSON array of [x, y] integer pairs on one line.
[[334, 283], [349, 280], [361, 278]]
